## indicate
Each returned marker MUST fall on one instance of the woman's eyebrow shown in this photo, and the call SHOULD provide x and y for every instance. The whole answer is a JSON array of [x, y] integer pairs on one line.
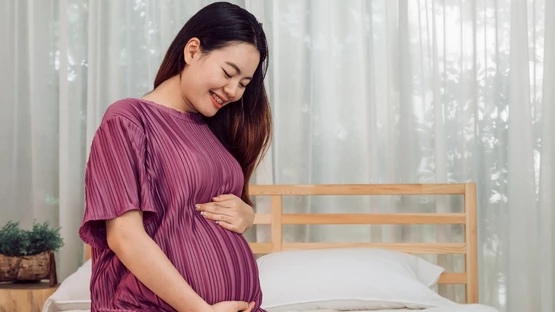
[[237, 69]]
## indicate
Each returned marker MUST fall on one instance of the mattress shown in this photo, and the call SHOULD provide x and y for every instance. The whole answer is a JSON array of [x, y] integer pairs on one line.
[[460, 308]]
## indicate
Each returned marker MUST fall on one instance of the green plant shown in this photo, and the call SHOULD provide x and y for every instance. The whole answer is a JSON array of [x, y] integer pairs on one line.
[[16, 242]]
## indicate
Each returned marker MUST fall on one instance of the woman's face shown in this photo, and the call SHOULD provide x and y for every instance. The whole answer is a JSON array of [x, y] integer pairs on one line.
[[211, 81]]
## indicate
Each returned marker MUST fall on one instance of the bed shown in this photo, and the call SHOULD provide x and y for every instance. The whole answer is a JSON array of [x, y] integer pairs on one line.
[[347, 276]]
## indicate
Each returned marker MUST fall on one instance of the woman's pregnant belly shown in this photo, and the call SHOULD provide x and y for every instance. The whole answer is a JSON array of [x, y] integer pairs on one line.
[[217, 263]]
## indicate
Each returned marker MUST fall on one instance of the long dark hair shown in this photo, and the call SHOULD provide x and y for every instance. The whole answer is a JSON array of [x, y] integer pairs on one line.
[[243, 127]]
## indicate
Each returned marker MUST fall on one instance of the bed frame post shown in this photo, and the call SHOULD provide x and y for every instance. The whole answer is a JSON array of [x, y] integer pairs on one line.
[[87, 252], [471, 243], [275, 226]]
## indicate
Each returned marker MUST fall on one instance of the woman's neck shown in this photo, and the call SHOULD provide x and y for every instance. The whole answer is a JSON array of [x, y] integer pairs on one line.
[[168, 93]]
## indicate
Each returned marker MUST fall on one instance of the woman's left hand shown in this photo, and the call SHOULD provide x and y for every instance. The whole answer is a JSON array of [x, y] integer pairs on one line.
[[229, 212]]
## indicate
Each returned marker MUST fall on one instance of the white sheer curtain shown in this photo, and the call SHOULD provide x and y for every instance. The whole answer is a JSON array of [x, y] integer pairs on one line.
[[43, 91], [363, 92], [426, 91]]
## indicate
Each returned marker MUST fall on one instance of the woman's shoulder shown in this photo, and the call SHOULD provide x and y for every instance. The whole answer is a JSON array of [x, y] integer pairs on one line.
[[129, 109], [124, 107]]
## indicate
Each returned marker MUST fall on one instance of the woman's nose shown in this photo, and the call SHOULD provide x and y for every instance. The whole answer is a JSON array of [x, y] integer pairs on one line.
[[231, 91]]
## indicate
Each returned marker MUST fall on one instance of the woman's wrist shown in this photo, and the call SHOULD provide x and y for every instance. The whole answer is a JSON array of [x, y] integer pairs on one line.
[[200, 305]]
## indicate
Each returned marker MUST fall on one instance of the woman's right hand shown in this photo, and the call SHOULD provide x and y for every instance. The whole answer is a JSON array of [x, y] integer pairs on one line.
[[232, 306]]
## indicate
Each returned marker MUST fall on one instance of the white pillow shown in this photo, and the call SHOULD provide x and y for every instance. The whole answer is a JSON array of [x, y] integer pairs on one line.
[[347, 279], [73, 293]]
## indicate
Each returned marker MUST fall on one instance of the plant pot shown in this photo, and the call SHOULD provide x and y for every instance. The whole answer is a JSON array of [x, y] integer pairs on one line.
[[28, 268]]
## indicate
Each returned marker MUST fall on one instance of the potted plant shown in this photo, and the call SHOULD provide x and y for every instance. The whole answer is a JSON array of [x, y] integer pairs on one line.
[[28, 255]]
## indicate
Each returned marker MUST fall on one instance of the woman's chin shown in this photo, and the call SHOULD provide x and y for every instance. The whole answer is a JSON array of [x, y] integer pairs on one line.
[[209, 111]]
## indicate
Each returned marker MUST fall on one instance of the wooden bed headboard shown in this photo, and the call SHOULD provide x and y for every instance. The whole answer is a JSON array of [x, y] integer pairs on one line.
[[276, 219]]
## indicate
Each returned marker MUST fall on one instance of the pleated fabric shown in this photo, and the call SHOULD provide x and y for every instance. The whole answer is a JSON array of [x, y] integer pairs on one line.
[[150, 157]]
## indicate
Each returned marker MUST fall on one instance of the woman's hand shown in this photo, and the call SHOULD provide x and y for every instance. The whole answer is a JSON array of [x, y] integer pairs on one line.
[[228, 211], [233, 306]]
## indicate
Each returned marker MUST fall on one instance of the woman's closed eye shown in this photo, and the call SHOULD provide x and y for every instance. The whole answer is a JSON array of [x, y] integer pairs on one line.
[[228, 76]]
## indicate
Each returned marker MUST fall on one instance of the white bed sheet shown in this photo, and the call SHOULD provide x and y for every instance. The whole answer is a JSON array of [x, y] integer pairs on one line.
[[461, 308]]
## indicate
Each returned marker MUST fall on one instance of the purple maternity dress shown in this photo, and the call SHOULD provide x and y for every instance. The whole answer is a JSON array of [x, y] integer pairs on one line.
[[156, 159]]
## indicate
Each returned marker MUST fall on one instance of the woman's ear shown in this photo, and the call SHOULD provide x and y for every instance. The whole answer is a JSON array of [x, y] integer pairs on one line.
[[192, 49]]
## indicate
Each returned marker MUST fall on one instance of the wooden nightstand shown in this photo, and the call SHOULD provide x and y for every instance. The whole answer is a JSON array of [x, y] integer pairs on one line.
[[24, 297]]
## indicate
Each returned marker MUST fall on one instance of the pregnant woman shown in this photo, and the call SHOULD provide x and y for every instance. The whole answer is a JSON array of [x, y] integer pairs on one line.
[[167, 177]]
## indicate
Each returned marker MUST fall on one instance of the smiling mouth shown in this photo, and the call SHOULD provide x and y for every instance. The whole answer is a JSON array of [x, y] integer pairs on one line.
[[216, 100]]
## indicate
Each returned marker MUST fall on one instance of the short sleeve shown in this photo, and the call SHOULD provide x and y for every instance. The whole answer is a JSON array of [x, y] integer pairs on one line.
[[116, 178]]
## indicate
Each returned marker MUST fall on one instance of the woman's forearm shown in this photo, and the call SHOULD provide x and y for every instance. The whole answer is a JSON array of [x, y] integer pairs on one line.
[[144, 259]]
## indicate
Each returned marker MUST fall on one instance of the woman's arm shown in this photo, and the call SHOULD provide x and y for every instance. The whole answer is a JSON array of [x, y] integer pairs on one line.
[[144, 258]]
